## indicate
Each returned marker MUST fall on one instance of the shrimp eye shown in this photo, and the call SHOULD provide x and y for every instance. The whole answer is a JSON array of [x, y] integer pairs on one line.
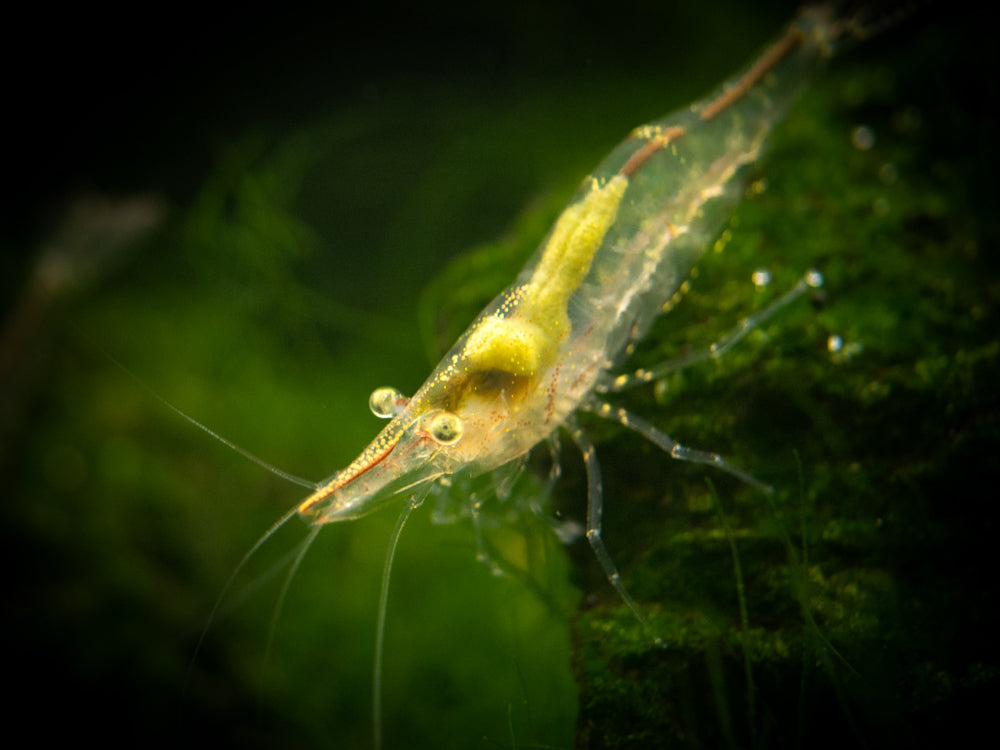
[[446, 428], [387, 402]]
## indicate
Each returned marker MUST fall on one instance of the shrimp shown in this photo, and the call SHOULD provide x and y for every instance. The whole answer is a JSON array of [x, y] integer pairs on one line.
[[550, 346], [544, 348]]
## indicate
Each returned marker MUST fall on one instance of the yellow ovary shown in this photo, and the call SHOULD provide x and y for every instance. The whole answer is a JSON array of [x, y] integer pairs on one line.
[[523, 339]]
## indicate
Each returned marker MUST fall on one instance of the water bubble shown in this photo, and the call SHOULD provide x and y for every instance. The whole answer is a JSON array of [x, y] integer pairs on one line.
[[863, 137], [814, 278]]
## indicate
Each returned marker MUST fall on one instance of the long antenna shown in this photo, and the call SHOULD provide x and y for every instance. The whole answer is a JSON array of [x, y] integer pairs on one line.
[[383, 602], [209, 431]]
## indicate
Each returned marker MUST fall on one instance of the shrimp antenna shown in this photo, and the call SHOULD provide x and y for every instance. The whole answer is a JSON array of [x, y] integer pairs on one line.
[[304, 545], [287, 476], [289, 514], [383, 601]]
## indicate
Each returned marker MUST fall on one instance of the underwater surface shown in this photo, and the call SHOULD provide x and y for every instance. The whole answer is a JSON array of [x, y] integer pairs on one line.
[[326, 217]]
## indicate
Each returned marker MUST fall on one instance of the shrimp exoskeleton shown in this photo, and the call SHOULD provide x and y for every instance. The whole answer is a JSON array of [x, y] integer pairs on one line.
[[549, 346]]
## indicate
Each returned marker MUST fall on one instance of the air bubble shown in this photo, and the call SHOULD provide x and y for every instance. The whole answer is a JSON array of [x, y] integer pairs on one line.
[[387, 403], [888, 173], [863, 137], [761, 278]]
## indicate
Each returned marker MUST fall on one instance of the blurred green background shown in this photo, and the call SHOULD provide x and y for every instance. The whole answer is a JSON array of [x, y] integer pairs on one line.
[[278, 214]]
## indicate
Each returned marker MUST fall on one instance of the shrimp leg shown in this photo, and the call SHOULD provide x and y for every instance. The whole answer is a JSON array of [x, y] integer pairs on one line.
[[671, 446], [595, 512], [482, 555], [595, 505], [813, 279]]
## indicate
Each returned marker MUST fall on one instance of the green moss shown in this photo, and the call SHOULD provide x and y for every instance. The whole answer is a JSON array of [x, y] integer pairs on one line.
[[876, 532]]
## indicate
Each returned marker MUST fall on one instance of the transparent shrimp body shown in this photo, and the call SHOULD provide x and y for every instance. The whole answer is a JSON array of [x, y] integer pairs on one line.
[[548, 346], [616, 256]]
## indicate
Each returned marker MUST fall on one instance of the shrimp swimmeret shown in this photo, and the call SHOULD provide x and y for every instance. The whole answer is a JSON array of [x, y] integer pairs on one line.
[[548, 346]]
